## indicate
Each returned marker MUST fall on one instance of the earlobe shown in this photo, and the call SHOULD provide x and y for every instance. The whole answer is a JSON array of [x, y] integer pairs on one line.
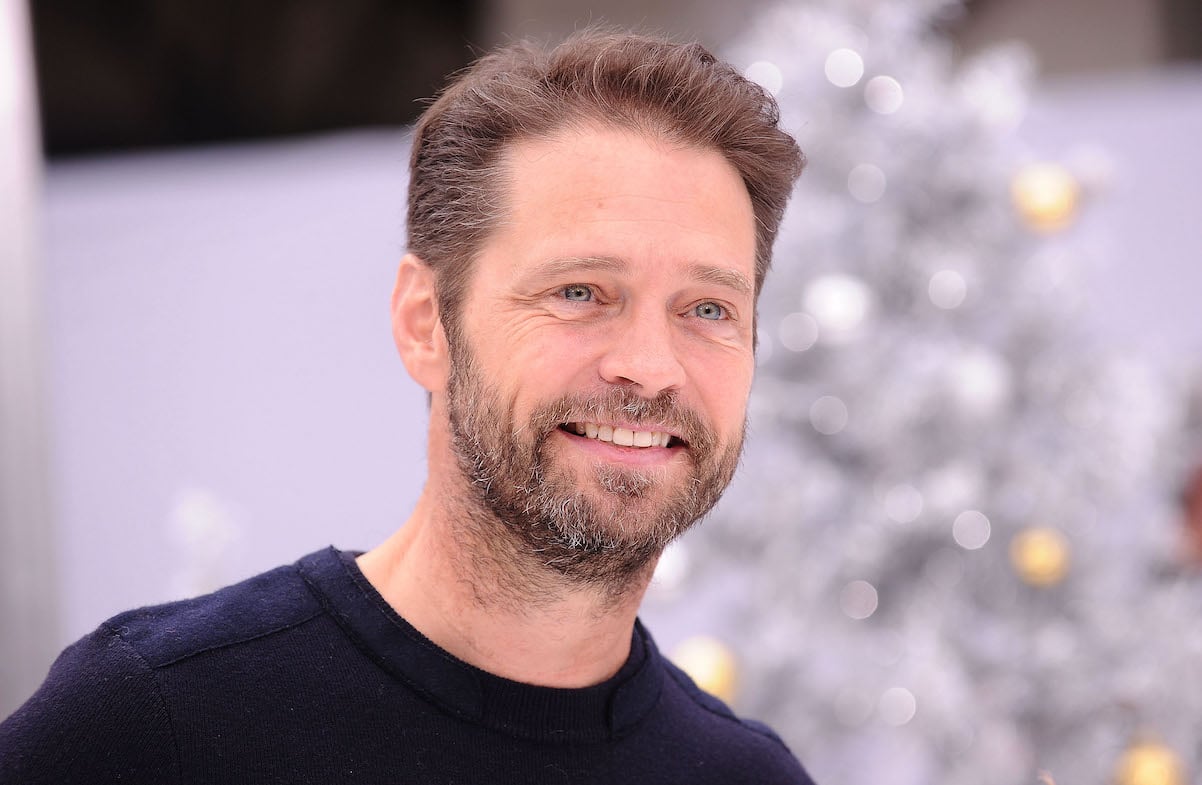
[[416, 326]]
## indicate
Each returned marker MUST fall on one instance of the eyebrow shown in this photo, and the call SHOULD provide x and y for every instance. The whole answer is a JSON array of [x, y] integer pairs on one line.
[[722, 276], [702, 273], [556, 267]]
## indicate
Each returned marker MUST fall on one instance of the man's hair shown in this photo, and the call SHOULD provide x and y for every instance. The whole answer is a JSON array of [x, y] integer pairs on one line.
[[677, 92]]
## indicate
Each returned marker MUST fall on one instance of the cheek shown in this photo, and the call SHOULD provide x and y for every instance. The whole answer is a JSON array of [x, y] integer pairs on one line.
[[562, 350], [725, 388], [547, 368]]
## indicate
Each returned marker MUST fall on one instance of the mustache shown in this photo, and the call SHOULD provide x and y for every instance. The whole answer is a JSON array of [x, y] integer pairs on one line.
[[622, 403]]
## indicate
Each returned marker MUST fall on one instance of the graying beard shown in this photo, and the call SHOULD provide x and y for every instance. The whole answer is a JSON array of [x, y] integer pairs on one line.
[[556, 523], [630, 483]]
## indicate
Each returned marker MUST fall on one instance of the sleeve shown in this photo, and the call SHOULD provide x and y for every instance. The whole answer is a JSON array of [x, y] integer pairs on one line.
[[98, 718]]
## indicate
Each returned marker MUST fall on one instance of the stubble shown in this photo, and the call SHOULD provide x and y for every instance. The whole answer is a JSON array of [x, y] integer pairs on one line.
[[604, 529]]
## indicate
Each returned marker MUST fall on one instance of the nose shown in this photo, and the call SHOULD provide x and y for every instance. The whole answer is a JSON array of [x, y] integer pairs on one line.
[[643, 351]]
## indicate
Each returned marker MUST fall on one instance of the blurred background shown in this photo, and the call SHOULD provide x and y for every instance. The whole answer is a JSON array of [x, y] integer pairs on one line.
[[964, 547]]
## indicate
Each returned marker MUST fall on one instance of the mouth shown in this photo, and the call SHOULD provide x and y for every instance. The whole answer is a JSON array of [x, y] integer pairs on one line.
[[623, 437]]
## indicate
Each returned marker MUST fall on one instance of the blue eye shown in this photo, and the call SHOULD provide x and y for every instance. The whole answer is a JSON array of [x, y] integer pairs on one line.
[[577, 293], [711, 311]]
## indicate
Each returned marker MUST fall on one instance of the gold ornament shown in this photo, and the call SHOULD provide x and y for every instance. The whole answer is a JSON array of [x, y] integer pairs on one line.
[[710, 664], [1046, 196], [1149, 763], [1040, 556]]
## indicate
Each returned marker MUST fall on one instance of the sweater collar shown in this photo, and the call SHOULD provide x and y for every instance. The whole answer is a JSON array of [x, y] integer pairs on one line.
[[604, 711]]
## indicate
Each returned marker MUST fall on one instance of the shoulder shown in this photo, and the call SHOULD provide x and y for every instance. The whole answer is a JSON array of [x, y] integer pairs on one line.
[[106, 710], [750, 750], [255, 608], [98, 717]]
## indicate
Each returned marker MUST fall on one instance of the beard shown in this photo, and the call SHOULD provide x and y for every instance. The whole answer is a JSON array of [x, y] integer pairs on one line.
[[602, 525]]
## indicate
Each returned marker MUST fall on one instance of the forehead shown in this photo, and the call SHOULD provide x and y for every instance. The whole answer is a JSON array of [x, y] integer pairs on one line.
[[601, 191]]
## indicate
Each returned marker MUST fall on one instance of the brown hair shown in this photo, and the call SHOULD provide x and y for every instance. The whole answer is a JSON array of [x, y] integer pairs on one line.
[[677, 91]]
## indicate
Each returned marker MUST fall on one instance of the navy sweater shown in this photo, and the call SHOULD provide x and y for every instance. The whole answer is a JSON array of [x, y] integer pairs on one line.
[[305, 675]]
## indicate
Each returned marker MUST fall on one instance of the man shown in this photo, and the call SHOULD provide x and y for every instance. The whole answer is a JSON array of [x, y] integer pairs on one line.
[[588, 232]]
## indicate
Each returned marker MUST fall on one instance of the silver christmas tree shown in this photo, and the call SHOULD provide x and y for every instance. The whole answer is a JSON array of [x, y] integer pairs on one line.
[[949, 555]]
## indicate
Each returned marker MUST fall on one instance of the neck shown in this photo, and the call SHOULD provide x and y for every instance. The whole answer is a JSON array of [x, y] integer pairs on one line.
[[475, 594]]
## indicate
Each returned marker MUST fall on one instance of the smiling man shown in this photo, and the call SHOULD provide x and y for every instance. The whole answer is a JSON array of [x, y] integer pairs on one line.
[[589, 229]]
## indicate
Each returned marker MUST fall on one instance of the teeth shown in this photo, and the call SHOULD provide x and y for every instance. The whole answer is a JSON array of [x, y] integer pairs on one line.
[[621, 436]]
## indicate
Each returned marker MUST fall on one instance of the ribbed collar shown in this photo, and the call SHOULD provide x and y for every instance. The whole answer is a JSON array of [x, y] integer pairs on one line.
[[607, 710]]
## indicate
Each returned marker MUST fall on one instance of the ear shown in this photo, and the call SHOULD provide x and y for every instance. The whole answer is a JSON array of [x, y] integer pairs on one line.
[[416, 326]]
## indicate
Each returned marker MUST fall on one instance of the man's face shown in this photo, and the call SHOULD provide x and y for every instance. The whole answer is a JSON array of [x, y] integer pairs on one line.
[[598, 391]]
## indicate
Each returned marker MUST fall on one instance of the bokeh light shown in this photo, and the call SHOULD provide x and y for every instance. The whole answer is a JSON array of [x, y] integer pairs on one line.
[[844, 67], [1046, 196], [971, 530], [1040, 556], [858, 599], [981, 382], [839, 303], [897, 706], [798, 331], [866, 183], [767, 75], [710, 663], [828, 415], [903, 503], [947, 289], [883, 94]]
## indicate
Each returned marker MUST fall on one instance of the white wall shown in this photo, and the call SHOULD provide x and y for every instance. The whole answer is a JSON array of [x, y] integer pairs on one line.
[[226, 395]]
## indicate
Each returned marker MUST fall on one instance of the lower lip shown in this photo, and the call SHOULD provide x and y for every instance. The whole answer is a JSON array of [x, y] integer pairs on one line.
[[634, 456]]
